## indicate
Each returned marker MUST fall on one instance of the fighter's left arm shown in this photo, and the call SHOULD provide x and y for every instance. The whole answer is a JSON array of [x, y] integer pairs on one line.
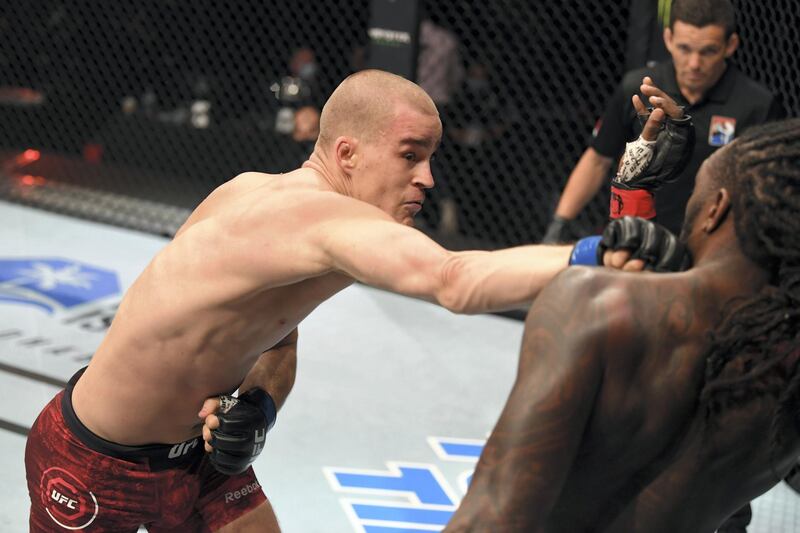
[[531, 450], [275, 370], [234, 429]]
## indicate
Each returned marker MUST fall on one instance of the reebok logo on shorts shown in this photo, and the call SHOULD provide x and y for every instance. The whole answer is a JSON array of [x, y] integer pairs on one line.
[[234, 495]]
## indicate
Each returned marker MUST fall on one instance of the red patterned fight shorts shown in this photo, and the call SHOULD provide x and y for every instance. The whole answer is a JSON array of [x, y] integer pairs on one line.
[[80, 482]]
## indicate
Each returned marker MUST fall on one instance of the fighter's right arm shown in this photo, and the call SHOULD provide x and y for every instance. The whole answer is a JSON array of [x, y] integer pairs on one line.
[[365, 244]]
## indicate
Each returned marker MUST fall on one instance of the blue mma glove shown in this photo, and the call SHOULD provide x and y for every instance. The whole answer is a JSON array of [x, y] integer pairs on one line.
[[655, 245], [243, 426], [587, 252]]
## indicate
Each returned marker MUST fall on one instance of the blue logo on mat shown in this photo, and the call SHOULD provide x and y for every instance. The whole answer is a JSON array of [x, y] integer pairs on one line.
[[419, 497], [54, 284]]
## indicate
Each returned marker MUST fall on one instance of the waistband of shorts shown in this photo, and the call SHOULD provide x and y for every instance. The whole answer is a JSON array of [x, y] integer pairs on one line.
[[158, 456]]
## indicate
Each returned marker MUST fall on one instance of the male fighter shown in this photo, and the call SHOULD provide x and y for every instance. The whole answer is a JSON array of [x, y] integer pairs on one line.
[[120, 447], [661, 403]]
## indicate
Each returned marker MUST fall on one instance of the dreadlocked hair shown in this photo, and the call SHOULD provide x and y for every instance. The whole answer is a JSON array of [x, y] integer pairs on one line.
[[754, 353]]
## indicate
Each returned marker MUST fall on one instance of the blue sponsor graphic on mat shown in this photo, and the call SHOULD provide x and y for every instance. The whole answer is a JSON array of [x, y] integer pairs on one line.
[[426, 499], [54, 284], [450, 449]]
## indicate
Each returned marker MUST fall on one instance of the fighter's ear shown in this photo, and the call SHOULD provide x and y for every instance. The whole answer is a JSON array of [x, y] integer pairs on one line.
[[717, 211], [346, 156]]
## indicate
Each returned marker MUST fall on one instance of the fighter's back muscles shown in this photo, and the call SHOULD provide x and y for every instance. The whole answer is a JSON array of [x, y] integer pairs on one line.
[[604, 384], [240, 185], [532, 448]]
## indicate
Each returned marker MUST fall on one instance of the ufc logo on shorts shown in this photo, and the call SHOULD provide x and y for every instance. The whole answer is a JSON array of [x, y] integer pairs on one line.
[[67, 500], [181, 449], [62, 499]]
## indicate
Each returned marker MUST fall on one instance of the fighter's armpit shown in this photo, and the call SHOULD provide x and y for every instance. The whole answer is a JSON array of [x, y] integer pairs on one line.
[[289, 339]]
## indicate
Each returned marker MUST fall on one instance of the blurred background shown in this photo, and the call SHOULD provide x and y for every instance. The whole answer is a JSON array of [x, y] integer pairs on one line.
[[131, 112]]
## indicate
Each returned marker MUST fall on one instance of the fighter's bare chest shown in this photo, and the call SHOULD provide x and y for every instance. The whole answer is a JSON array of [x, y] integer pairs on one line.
[[277, 311]]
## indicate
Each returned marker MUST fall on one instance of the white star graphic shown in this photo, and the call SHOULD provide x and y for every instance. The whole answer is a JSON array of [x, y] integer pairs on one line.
[[48, 278]]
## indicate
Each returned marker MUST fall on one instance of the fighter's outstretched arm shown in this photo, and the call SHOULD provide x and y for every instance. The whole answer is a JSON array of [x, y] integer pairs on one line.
[[379, 252], [532, 448], [312, 234]]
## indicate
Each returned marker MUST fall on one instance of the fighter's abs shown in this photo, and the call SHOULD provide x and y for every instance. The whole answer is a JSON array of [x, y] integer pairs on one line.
[[181, 356]]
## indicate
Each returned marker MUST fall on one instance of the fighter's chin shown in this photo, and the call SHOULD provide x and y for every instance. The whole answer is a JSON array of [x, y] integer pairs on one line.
[[407, 213]]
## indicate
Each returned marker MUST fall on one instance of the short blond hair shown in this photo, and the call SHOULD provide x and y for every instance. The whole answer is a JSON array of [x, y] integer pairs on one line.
[[365, 102]]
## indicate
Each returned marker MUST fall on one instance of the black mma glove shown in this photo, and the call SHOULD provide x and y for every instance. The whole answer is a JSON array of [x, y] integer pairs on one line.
[[650, 164], [647, 165], [660, 249], [559, 231], [243, 426], [655, 245]]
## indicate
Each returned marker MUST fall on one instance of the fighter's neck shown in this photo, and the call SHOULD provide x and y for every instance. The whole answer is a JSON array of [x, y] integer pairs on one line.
[[729, 273], [327, 177]]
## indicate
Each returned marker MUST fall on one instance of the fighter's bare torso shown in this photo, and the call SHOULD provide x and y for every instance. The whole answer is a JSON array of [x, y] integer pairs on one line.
[[198, 317], [602, 431]]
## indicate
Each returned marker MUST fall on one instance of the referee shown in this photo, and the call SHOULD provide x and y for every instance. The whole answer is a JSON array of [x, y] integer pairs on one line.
[[722, 101]]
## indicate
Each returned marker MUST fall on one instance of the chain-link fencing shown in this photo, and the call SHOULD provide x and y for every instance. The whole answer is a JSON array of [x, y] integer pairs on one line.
[[162, 100]]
